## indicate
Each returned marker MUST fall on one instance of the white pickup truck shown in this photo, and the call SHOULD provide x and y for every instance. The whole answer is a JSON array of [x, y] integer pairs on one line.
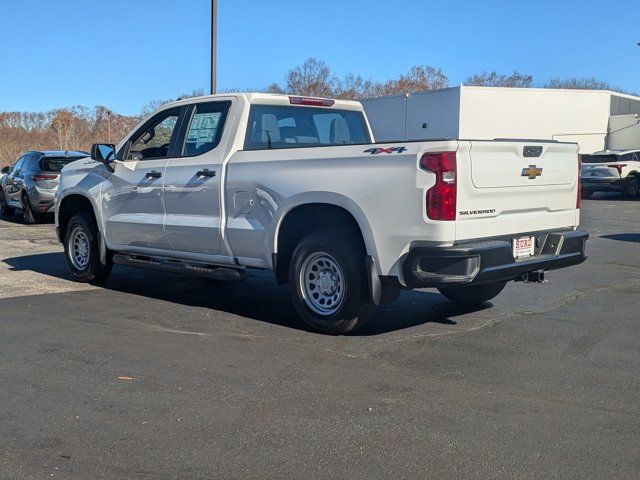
[[216, 185]]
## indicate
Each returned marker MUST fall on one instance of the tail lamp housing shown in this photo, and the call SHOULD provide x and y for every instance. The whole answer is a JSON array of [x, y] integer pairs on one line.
[[312, 101], [44, 177], [442, 197], [618, 167]]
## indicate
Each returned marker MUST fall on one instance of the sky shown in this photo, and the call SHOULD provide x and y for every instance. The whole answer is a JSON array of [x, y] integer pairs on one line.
[[125, 53]]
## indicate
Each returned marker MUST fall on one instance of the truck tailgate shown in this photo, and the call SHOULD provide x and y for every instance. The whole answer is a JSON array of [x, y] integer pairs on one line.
[[512, 187]]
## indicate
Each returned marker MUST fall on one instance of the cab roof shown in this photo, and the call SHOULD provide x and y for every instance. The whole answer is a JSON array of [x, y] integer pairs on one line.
[[259, 98]]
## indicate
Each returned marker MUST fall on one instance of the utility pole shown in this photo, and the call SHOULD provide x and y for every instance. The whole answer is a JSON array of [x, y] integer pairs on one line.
[[109, 125], [214, 45]]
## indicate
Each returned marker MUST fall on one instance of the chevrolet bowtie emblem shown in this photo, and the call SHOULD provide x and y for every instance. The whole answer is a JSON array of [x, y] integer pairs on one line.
[[531, 171]]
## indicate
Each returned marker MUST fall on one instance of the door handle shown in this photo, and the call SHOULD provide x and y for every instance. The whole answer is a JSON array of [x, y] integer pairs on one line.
[[153, 174], [205, 173]]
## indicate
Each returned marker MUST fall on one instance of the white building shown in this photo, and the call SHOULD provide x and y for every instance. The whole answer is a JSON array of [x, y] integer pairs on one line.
[[596, 119]]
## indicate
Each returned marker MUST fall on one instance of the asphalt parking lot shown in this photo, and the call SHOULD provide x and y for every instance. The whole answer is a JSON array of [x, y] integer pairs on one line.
[[157, 375]]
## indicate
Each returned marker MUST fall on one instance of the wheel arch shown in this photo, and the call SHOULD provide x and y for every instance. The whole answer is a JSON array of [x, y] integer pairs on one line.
[[311, 212], [71, 204]]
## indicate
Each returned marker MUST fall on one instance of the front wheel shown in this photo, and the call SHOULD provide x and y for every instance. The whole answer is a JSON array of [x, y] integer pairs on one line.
[[82, 251], [5, 210], [329, 283], [474, 294]]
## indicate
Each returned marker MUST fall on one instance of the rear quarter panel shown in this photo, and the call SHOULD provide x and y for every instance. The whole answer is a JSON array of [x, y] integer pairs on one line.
[[384, 193]]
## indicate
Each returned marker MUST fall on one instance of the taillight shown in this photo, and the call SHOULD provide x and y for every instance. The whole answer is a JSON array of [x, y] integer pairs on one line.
[[314, 102], [618, 167], [44, 176], [441, 198], [579, 199]]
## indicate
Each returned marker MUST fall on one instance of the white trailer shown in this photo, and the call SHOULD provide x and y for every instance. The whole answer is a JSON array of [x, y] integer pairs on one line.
[[487, 113], [624, 132]]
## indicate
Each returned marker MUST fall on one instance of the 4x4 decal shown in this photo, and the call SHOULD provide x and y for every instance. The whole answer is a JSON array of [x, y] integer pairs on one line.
[[389, 150]]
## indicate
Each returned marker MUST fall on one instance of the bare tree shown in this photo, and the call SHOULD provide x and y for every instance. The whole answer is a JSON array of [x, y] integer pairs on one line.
[[312, 78], [354, 87], [274, 88], [420, 78], [493, 79], [63, 127], [585, 83]]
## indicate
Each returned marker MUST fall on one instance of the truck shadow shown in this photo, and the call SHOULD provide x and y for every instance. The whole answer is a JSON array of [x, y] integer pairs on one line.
[[623, 237], [257, 298]]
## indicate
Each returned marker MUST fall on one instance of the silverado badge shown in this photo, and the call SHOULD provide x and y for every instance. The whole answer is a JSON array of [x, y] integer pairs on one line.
[[531, 171]]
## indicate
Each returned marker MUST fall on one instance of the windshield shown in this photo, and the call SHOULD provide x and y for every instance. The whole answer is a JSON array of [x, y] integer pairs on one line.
[[55, 164], [600, 158], [272, 126]]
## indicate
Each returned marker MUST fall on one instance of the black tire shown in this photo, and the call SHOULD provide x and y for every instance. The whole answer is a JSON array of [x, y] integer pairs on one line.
[[586, 193], [29, 217], [631, 186], [475, 294], [93, 271], [5, 210], [341, 252]]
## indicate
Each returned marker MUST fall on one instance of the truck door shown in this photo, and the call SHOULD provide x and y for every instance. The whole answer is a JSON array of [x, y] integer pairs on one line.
[[193, 180], [133, 205]]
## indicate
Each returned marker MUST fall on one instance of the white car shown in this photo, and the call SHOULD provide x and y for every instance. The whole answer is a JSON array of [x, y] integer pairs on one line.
[[215, 186], [611, 171]]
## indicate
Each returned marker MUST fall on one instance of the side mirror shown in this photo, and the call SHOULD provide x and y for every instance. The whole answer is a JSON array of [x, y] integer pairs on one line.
[[5, 170], [103, 152]]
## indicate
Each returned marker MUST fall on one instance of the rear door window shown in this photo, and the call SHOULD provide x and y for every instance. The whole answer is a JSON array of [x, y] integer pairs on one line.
[[205, 128], [272, 127]]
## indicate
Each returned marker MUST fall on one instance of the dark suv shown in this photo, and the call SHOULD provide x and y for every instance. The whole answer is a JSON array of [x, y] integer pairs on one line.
[[30, 185]]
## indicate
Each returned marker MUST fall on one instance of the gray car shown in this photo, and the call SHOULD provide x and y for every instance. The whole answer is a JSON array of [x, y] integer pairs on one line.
[[30, 185]]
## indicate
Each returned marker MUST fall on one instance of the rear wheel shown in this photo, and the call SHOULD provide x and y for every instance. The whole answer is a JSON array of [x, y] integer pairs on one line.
[[82, 251], [586, 193], [5, 210], [329, 284], [28, 215], [474, 294], [631, 186]]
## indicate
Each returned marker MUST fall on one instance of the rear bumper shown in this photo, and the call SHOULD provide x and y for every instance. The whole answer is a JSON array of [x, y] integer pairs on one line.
[[490, 261], [42, 200], [603, 184]]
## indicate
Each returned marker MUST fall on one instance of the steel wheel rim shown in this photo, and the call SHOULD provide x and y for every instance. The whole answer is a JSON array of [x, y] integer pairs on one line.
[[79, 249], [322, 283]]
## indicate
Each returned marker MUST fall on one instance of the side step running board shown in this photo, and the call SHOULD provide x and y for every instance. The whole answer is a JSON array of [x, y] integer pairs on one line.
[[214, 272]]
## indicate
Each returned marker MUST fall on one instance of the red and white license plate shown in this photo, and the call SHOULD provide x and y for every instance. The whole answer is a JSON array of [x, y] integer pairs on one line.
[[524, 247]]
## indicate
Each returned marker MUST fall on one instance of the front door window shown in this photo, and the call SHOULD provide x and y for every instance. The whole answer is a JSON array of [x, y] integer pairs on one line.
[[154, 140]]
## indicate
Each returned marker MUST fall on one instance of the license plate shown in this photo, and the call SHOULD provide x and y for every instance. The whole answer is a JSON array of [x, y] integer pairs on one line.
[[524, 247]]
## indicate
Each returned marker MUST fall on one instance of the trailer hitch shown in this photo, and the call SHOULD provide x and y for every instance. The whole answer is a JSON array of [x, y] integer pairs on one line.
[[536, 276]]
